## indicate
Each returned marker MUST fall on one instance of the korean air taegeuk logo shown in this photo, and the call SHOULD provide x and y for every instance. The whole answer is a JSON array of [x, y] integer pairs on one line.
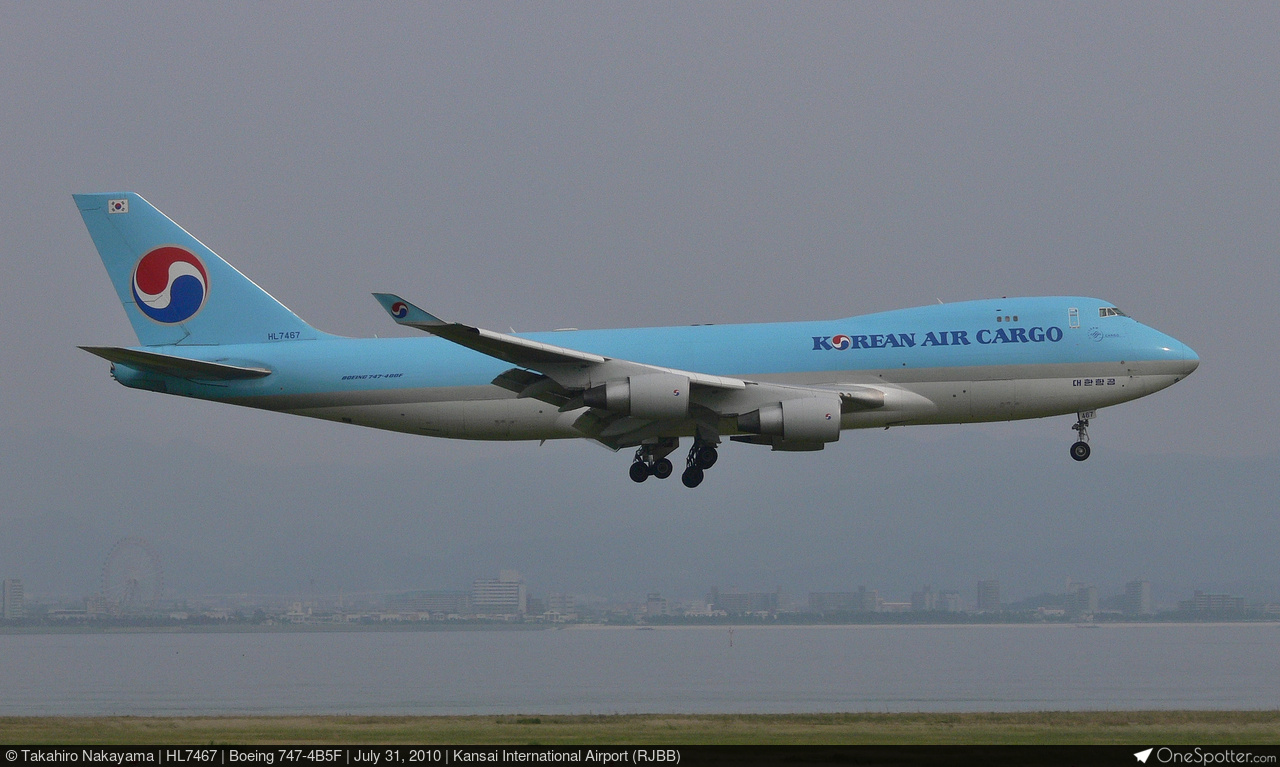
[[170, 284]]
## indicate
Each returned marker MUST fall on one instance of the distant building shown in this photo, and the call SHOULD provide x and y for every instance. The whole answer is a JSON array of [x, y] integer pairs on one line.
[[1137, 598], [1083, 600], [862, 600], [656, 605], [432, 602], [1213, 603], [950, 601], [561, 603], [739, 602], [504, 595], [696, 608], [95, 606], [989, 596], [924, 599], [14, 607], [561, 607]]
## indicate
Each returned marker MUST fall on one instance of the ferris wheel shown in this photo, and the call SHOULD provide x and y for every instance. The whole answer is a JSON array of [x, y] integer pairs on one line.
[[131, 577]]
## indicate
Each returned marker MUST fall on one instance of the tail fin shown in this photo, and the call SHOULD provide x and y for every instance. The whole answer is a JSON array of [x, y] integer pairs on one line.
[[174, 288]]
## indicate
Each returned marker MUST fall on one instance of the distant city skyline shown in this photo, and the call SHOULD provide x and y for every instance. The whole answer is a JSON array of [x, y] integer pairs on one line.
[[508, 596]]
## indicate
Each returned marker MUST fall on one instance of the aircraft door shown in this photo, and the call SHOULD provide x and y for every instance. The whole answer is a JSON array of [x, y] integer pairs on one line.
[[993, 400]]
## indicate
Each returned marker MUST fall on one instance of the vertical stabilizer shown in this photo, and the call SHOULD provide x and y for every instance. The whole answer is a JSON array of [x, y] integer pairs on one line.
[[174, 288]]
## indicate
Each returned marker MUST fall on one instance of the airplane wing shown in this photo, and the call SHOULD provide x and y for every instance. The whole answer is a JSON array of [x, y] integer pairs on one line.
[[630, 402], [572, 368]]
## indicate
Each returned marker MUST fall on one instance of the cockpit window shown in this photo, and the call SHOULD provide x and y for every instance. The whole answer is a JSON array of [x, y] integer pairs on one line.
[[1111, 311]]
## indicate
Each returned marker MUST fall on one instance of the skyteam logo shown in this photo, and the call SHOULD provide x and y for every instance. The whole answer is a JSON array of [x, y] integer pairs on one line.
[[399, 310], [170, 284]]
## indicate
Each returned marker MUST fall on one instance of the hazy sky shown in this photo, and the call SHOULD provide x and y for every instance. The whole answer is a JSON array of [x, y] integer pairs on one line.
[[533, 166]]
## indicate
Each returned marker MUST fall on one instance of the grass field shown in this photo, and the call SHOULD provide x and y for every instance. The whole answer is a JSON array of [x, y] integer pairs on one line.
[[1110, 727]]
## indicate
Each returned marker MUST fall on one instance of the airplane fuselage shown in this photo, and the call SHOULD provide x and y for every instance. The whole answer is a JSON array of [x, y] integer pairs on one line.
[[990, 360]]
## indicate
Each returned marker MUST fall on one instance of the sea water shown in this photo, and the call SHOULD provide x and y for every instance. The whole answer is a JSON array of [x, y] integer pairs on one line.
[[703, 669]]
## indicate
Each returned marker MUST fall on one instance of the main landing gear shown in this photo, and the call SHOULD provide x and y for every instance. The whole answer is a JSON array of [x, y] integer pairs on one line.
[[1080, 450], [702, 456], [652, 461]]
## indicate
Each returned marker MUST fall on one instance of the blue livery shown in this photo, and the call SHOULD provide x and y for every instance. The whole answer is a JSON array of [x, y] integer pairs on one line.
[[207, 331]]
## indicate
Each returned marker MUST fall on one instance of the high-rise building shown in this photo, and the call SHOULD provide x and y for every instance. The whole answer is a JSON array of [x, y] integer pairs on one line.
[[989, 596], [656, 604], [14, 607], [561, 603], [950, 601], [504, 595], [924, 599], [1137, 598], [1082, 600]]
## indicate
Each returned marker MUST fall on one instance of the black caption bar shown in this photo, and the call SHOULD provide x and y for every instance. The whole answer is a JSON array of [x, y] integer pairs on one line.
[[398, 756]]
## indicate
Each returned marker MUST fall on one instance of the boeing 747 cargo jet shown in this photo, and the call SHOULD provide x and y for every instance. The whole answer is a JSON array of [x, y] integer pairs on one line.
[[207, 331]]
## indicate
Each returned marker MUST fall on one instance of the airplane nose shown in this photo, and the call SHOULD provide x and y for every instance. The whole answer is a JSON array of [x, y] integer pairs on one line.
[[1190, 360]]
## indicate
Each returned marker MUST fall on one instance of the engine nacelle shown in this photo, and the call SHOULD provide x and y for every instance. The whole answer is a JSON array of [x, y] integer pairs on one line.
[[812, 419], [654, 396]]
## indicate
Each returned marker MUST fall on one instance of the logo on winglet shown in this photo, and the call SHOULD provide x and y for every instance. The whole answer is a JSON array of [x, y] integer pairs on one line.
[[399, 310], [170, 284]]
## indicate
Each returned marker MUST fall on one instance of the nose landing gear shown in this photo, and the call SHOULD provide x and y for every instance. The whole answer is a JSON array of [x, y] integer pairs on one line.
[[1080, 450]]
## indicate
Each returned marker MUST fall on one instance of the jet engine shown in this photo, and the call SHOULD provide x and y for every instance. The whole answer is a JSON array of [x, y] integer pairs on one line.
[[812, 419], [654, 396]]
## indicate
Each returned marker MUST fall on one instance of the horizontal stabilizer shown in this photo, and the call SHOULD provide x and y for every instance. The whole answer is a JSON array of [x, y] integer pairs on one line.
[[179, 367]]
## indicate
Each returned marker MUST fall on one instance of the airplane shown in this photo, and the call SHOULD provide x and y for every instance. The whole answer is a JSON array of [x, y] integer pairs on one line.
[[207, 331]]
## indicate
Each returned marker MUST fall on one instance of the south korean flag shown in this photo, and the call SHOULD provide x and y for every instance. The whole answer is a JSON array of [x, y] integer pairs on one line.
[[117, 206]]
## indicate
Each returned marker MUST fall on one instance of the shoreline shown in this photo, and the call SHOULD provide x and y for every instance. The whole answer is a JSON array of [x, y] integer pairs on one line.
[[424, 626], [1199, 727]]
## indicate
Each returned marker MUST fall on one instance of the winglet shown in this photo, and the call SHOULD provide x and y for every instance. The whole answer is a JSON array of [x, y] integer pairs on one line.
[[405, 313]]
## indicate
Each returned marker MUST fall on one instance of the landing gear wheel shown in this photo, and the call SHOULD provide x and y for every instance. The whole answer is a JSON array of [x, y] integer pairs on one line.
[[706, 457], [692, 477], [661, 468], [1080, 450], [639, 472]]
